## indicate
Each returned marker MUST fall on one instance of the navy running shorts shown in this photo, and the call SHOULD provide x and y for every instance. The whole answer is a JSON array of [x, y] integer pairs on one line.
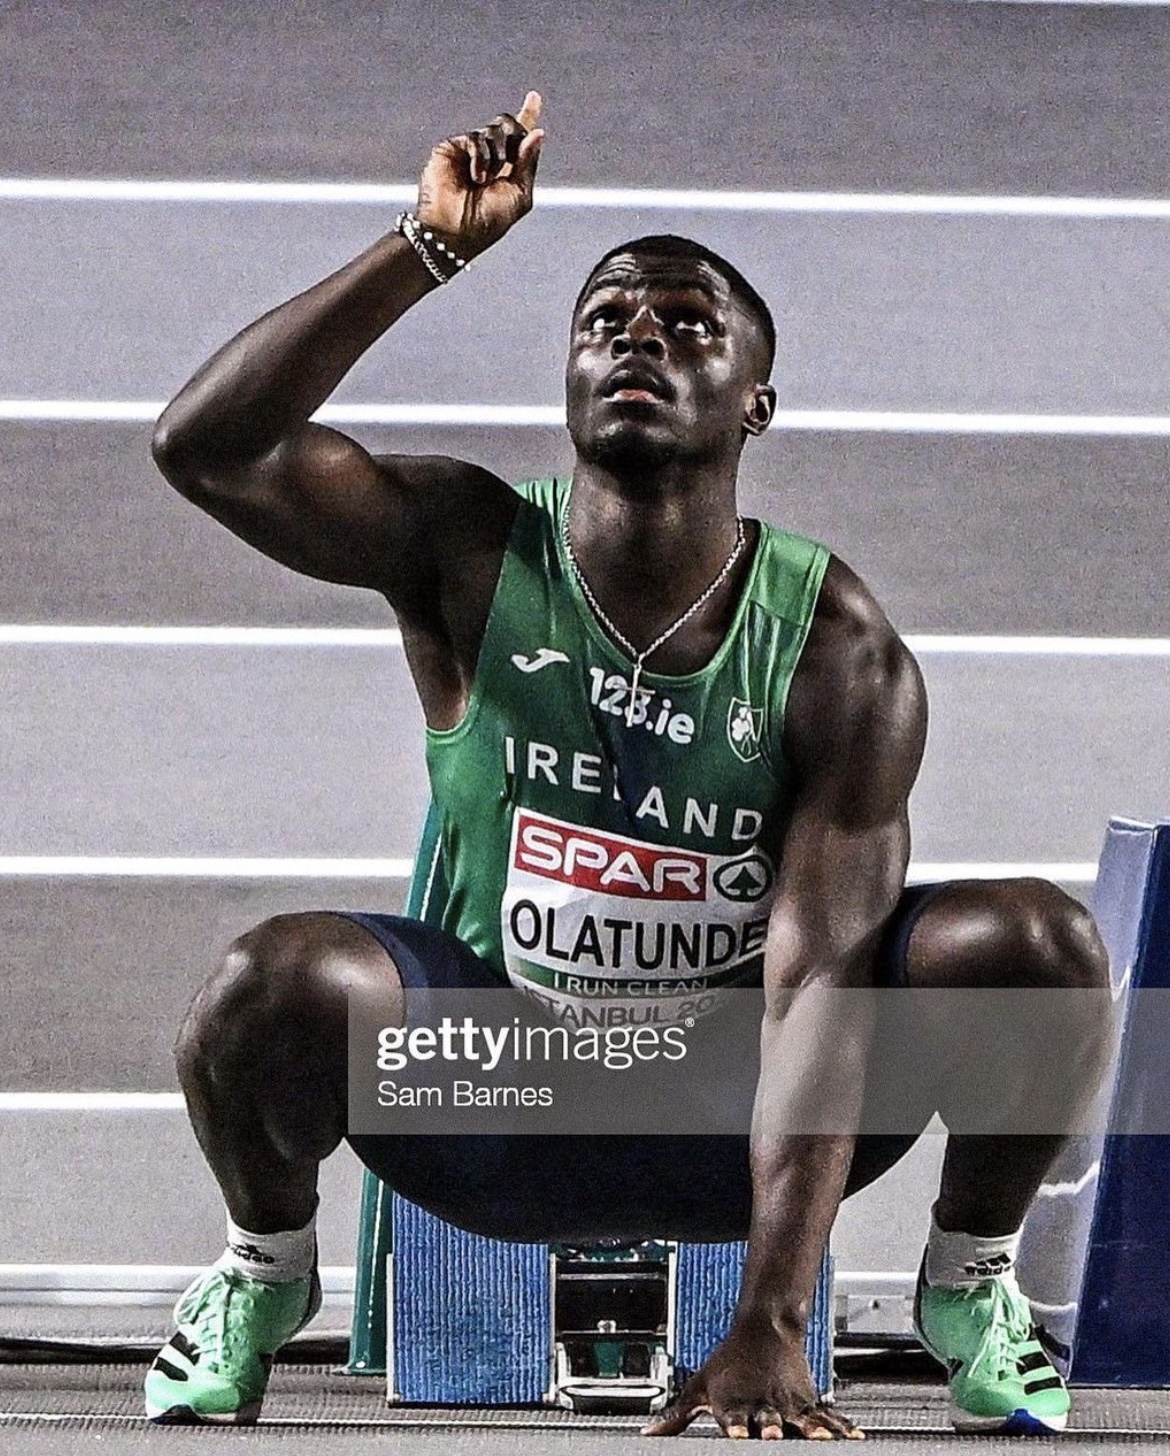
[[572, 1188]]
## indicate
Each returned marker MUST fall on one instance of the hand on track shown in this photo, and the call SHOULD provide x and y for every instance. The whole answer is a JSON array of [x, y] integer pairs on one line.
[[755, 1385]]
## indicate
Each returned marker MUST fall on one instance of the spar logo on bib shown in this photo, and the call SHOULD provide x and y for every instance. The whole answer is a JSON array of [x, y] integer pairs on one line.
[[607, 862], [606, 930]]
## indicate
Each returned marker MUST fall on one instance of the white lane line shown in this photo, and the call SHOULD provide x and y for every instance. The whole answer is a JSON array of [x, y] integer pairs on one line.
[[1074, 1186], [871, 1281], [47, 635], [132, 1278], [91, 1102], [27, 866], [926, 644], [942, 422], [540, 416], [1067, 872], [200, 867], [476, 415], [82, 411], [61, 189], [975, 645], [1146, 4], [146, 411]]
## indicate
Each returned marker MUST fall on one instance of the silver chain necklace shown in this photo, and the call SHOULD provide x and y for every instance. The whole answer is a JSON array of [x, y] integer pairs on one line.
[[619, 637]]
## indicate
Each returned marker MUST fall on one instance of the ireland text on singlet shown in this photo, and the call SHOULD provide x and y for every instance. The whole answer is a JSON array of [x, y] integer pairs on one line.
[[617, 864]]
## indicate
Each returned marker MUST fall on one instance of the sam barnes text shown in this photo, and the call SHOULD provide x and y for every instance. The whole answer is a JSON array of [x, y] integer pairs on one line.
[[463, 1094]]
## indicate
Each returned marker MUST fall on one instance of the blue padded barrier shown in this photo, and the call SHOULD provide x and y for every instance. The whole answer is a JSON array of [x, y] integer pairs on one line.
[[1096, 1252], [1123, 1326]]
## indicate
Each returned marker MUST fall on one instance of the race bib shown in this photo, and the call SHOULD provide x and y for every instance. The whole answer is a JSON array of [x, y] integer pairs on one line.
[[609, 931]]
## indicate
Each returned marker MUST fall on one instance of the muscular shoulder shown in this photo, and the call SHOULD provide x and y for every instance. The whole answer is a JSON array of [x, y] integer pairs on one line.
[[450, 498], [459, 517], [857, 707], [852, 649]]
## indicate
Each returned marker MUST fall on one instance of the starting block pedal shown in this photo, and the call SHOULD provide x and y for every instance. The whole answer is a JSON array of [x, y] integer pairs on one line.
[[452, 1318], [613, 1326]]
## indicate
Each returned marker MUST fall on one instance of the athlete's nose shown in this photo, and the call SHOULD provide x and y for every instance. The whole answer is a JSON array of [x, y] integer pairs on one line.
[[643, 334]]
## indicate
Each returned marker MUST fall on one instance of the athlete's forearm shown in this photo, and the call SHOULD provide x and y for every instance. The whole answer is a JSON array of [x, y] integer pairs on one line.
[[266, 382], [796, 1193], [807, 1114]]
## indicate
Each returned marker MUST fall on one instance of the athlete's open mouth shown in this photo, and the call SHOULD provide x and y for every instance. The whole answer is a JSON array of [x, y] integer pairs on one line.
[[630, 382]]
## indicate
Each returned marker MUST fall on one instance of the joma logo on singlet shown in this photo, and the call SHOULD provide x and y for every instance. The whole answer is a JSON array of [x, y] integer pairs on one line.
[[606, 862]]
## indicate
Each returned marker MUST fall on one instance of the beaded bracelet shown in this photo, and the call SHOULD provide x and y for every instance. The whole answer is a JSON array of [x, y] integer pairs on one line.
[[421, 239]]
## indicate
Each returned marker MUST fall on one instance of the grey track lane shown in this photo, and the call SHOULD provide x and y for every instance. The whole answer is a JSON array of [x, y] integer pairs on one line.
[[123, 300], [472, 1443], [165, 750], [955, 533], [466, 1443], [317, 752], [97, 972], [719, 93], [132, 1188], [893, 1415]]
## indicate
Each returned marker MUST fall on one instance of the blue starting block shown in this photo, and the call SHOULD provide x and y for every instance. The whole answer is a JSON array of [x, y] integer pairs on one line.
[[1094, 1258], [452, 1318]]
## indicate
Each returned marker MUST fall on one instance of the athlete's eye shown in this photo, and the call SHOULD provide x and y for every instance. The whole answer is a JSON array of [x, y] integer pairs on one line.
[[693, 325], [601, 320]]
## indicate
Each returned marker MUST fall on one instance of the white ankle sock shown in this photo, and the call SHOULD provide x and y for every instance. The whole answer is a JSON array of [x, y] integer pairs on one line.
[[272, 1258], [956, 1260]]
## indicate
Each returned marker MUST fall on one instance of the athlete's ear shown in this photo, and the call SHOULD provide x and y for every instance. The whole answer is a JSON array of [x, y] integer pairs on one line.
[[761, 408]]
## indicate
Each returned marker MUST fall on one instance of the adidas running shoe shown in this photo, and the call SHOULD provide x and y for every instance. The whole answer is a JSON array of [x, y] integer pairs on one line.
[[1001, 1379], [214, 1369]]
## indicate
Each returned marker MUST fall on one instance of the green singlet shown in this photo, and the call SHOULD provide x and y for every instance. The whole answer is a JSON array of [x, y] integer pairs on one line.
[[617, 863]]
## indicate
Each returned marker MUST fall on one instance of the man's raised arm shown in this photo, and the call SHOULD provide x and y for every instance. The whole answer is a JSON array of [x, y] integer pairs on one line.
[[237, 439], [854, 735]]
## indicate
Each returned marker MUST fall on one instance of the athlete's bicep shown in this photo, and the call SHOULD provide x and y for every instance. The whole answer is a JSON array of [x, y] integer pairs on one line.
[[324, 506], [317, 503], [854, 737]]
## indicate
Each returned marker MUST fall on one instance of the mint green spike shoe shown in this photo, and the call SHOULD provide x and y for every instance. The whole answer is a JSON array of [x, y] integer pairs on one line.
[[214, 1369], [1001, 1379]]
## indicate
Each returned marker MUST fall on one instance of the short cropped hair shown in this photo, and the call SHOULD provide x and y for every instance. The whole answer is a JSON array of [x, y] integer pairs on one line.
[[668, 245]]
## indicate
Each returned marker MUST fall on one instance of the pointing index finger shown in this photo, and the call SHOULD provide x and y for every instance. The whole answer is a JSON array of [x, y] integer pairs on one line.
[[529, 113]]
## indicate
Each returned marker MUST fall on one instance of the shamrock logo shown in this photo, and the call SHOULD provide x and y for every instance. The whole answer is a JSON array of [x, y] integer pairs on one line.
[[744, 727]]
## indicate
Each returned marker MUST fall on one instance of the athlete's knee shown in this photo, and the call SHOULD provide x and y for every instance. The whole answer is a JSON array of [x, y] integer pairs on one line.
[[1006, 933], [1059, 948], [1056, 941], [289, 973]]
